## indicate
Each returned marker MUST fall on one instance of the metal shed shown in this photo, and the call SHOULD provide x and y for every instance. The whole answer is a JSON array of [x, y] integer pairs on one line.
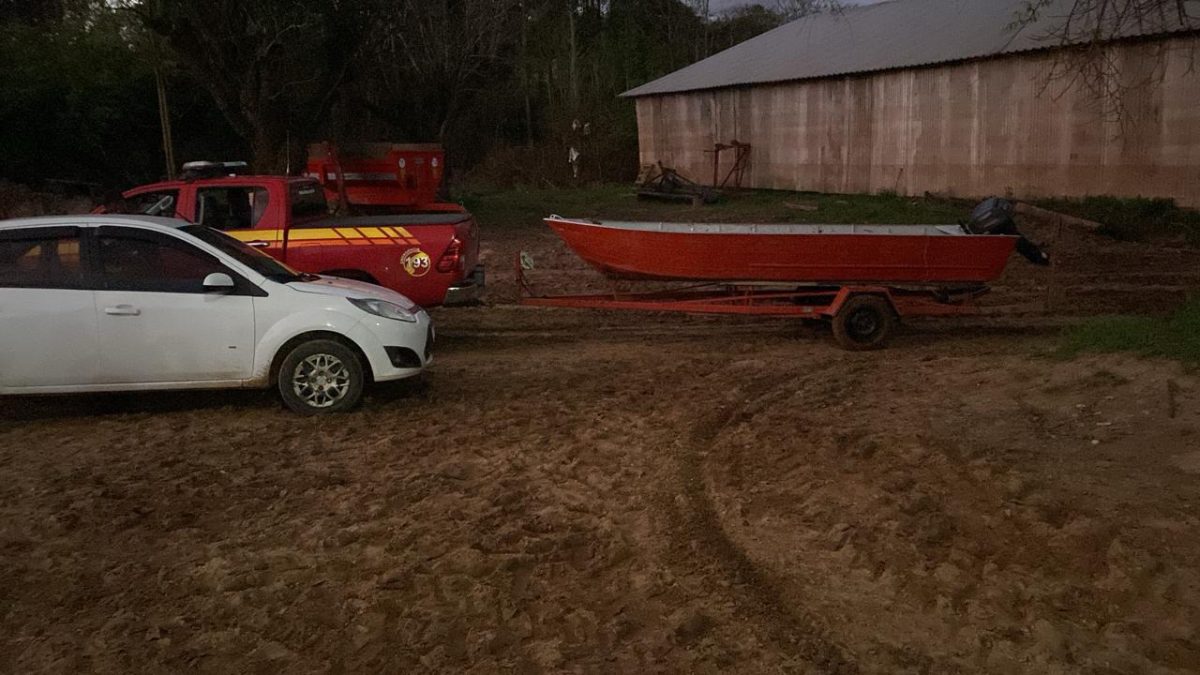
[[940, 96]]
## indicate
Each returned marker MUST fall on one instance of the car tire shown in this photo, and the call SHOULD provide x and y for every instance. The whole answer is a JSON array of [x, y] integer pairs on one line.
[[320, 377]]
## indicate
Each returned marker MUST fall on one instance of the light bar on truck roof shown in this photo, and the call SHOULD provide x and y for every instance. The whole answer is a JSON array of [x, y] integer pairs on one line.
[[203, 169]]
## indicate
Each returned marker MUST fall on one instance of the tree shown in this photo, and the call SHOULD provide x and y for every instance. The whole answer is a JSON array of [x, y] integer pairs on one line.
[[791, 10], [429, 59], [1082, 35], [742, 23], [273, 67], [260, 78], [32, 12]]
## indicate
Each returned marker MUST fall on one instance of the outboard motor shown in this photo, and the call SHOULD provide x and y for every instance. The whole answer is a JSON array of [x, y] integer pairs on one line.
[[995, 216]]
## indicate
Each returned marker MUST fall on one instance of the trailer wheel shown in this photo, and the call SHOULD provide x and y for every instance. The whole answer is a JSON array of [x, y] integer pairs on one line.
[[864, 322]]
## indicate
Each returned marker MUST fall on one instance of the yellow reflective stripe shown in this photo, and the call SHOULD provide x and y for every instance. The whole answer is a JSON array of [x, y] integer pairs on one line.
[[254, 235], [397, 234], [302, 234]]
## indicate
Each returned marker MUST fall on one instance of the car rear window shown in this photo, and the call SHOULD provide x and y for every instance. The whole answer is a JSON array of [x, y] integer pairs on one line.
[[41, 258]]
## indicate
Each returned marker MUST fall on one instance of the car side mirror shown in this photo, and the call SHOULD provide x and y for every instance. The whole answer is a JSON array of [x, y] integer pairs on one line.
[[218, 282]]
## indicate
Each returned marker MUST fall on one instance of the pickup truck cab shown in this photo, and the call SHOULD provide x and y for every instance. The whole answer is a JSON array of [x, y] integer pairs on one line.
[[430, 255]]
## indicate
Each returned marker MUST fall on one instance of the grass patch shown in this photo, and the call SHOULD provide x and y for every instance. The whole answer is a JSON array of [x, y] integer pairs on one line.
[[1126, 219], [526, 207], [1133, 219], [1176, 337]]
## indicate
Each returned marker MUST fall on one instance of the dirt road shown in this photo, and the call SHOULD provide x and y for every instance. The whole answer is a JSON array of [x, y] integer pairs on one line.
[[583, 492]]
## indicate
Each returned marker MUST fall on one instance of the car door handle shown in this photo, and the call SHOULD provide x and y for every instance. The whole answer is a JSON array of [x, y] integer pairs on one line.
[[122, 310], [258, 243]]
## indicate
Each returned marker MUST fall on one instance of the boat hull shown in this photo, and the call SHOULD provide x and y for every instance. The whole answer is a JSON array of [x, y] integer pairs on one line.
[[775, 254]]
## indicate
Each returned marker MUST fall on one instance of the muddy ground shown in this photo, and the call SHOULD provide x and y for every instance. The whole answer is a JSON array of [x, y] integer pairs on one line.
[[616, 493]]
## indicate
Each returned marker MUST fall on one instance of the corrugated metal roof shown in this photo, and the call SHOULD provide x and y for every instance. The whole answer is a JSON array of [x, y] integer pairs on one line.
[[894, 34]]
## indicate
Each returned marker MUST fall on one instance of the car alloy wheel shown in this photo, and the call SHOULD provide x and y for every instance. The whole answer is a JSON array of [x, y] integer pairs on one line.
[[321, 380]]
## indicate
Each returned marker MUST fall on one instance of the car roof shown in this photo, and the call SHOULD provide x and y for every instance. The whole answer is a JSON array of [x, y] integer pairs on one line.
[[152, 222]]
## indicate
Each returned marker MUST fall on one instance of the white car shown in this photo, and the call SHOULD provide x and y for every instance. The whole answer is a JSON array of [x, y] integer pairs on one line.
[[133, 303]]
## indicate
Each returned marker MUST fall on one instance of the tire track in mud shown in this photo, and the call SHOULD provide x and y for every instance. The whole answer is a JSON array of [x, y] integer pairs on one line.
[[793, 630]]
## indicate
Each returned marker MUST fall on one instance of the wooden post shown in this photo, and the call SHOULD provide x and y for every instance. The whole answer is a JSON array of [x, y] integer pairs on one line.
[[1052, 287]]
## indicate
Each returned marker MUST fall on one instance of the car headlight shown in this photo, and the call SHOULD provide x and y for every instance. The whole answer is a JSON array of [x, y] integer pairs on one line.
[[388, 310]]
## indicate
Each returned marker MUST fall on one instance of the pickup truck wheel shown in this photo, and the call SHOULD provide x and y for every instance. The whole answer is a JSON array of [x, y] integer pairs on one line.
[[864, 322], [321, 376]]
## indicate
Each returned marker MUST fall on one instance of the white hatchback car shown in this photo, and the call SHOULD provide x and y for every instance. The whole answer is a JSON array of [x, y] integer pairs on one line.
[[131, 303]]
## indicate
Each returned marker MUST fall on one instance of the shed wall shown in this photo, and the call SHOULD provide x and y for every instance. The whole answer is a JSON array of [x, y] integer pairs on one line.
[[987, 127]]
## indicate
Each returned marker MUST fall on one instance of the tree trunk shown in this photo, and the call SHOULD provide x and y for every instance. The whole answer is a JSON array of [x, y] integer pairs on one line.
[[269, 155], [164, 121], [573, 74], [525, 76]]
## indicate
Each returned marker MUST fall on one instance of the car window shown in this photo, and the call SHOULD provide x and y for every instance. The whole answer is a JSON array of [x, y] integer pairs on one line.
[[250, 257], [231, 208], [130, 260], [308, 200], [159, 203], [40, 258]]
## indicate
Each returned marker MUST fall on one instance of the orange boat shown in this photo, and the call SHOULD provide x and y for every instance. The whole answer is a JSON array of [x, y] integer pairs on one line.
[[891, 254]]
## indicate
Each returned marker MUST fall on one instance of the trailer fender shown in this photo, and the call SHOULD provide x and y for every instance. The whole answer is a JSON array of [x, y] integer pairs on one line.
[[845, 293]]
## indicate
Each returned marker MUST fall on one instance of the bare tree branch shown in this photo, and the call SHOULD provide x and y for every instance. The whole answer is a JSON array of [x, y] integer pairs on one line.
[[1083, 32]]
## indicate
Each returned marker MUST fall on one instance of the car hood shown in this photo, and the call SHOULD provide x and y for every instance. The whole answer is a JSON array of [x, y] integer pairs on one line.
[[347, 288]]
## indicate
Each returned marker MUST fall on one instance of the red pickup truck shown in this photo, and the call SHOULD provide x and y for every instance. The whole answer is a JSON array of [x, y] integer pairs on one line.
[[429, 253]]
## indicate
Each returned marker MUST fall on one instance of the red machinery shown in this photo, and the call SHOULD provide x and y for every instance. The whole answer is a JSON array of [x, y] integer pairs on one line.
[[387, 175]]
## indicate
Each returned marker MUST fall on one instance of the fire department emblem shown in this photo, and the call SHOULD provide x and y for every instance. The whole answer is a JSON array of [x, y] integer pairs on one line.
[[416, 262]]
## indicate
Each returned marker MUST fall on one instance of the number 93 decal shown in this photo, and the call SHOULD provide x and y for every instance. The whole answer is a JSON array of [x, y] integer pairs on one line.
[[416, 262]]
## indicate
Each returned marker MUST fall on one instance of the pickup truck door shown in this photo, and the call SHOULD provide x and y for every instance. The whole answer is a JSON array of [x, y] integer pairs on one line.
[[156, 322], [246, 212]]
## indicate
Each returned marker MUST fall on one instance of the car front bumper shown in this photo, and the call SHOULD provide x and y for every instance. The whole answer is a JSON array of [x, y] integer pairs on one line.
[[396, 349]]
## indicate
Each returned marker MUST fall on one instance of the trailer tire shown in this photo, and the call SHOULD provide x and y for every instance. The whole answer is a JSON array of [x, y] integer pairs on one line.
[[865, 322]]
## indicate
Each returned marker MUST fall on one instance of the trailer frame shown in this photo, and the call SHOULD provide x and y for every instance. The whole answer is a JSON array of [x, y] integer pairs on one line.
[[862, 315]]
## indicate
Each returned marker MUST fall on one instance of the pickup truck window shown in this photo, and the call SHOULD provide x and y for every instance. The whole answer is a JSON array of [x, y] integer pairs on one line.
[[158, 203], [308, 200], [254, 259], [231, 208]]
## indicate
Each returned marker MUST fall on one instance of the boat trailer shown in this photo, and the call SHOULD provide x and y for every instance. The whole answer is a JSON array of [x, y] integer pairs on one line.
[[862, 317]]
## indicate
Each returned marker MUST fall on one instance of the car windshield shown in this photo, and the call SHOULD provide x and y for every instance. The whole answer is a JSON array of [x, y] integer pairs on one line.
[[256, 260]]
